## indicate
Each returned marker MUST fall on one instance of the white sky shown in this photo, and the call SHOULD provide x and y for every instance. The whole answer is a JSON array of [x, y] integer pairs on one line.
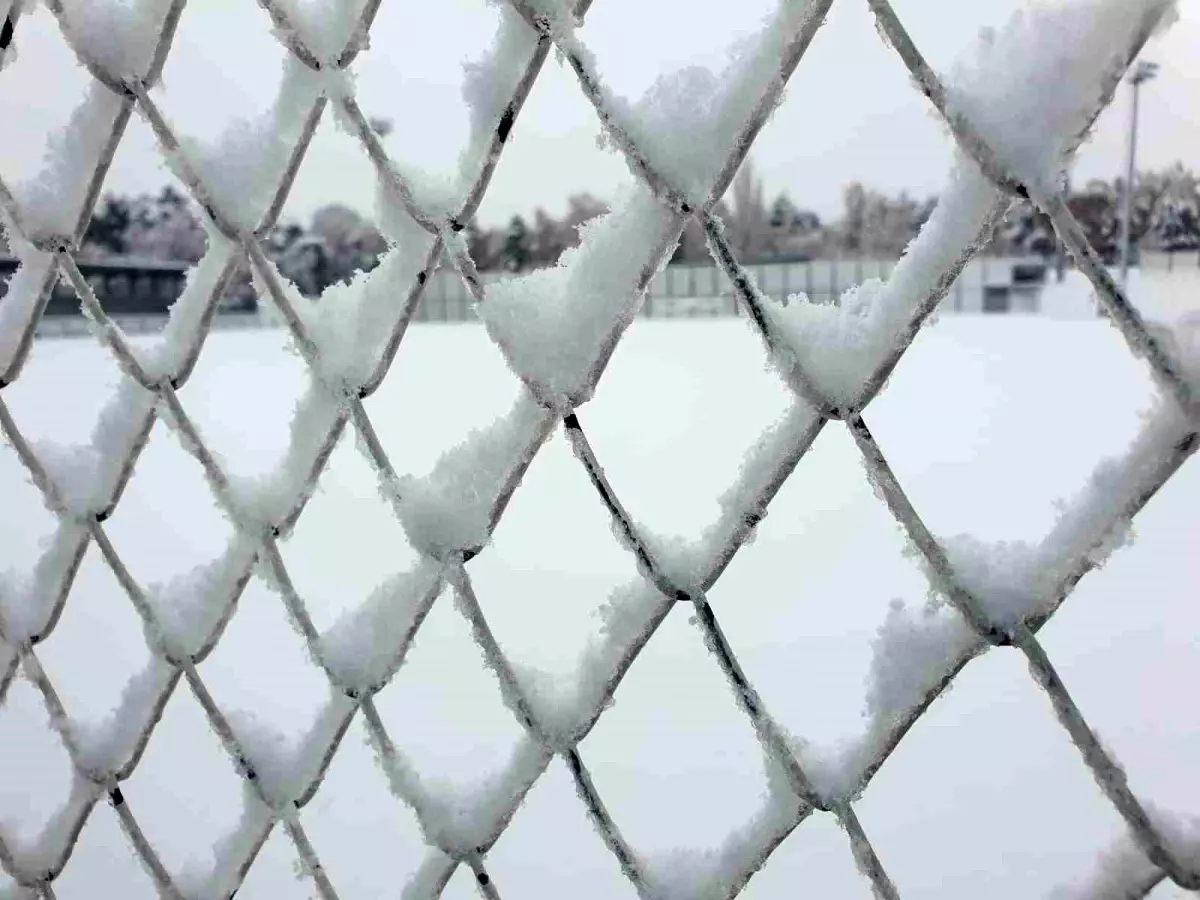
[[849, 113]]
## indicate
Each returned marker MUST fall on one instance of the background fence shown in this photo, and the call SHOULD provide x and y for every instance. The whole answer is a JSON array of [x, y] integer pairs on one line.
[[560, 350], [688, 290], [138, 293]]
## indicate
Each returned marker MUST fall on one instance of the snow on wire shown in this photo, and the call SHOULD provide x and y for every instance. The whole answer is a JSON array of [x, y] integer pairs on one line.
[[1018, 108]]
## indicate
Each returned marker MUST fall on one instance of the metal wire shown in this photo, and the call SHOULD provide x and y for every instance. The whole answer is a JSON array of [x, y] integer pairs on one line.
[[156, 396]]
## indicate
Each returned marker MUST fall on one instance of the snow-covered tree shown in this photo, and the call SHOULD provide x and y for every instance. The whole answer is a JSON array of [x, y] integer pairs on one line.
[[793, 232], [581, 208], [1024, 230], [548, 240], [515, 256], [107, 232], [875, 225], [478, 246], [307, 265], [1175, 221], [350, 243], [165, 228], [748, 222]]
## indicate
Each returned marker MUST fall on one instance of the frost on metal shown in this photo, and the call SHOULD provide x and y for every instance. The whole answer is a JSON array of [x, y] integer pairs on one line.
[[1018, 104]]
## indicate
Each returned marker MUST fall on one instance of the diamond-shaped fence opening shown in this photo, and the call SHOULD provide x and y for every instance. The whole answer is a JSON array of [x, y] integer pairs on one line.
[[1017, 110]]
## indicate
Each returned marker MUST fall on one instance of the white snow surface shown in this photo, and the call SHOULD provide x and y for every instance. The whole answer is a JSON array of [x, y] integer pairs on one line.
[[812, 590], [1032, 88]]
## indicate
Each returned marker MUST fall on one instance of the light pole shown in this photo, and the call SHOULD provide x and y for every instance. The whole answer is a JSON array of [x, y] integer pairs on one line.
[[1142, 72]]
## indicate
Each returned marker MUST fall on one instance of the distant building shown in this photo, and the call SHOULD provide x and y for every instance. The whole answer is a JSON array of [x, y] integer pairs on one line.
[[124, 287]]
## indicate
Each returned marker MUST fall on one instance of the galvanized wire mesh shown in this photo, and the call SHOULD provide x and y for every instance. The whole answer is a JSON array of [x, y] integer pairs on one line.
[[281, 804]]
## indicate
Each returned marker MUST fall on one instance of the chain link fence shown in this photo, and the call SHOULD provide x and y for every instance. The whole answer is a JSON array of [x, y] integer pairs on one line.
[[450, 515]]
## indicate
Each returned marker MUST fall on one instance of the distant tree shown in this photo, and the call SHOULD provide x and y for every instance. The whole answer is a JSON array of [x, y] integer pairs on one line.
[[1169, 207], [693, 244], [1095, 208], [306, 263], [748, 225], [107, 232], [876, 225], [548, 240], [1165, 214], [793, 232], [1178, 228], [525, 247], [281, 237], [891, 224], [164, 227], [1025, 230], [783, 212], [479, 246], [335, 223], [351, 244], [581, 209], [854, 202], [924, 212], [1176, 223], [515, 256]]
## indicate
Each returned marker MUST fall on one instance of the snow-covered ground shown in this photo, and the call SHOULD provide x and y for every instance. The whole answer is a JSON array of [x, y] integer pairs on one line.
[[988, 422]]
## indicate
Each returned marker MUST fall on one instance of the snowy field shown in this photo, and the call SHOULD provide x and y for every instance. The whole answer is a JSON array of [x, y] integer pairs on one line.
[[988, 422]]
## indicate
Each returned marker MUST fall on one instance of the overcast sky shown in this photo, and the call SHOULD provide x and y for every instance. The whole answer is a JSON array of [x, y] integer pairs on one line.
[[849, 114]]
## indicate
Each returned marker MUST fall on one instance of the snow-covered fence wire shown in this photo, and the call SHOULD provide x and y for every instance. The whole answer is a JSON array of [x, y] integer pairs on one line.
[[1017, 108]]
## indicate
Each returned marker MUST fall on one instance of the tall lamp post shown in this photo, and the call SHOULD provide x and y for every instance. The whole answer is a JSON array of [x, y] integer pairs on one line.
[[1142, 72]]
